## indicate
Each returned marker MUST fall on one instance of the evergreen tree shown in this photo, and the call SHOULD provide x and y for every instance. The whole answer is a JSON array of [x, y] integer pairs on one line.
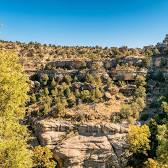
[[45, 79], [53, 83], [67, 79], [90, 78], [162, 151], [14, 151], [46, 92], [67, 92]]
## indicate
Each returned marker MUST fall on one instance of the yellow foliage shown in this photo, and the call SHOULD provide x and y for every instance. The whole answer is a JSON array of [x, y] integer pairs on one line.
[[150, 163], [138, 138], [14, 152], [43, 157], [13, 86]]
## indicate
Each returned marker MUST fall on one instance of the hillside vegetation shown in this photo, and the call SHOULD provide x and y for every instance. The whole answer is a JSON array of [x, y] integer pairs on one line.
[[79, 85]]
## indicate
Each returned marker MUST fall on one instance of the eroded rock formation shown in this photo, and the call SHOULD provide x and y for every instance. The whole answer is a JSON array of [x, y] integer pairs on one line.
[[95, 145]]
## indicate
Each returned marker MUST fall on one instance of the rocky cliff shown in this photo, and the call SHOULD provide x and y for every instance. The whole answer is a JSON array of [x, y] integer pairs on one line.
[[88, 144]]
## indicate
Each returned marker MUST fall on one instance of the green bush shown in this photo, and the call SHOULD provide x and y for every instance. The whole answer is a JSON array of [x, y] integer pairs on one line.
[[67, 92], [126, 111], [140, 81], [85, 95], [53, 83], [46, 92], [140, 92], [67, 79], [45, 79], [115, 118]]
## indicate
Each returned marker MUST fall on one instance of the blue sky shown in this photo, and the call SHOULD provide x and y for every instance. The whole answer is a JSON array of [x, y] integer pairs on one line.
[[85, 22]]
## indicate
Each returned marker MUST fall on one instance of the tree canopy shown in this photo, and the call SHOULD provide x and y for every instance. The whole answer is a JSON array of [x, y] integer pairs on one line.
[[138, 137], [14, 151]]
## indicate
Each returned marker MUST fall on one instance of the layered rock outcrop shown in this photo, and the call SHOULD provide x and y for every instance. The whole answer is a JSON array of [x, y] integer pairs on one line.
[[95, 145]]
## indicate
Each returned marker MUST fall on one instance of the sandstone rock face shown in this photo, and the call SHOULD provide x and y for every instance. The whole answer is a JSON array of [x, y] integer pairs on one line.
[[88, 145]]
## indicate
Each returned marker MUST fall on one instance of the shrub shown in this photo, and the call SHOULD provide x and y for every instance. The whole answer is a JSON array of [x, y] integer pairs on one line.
[[162, 151], [60, 107], [43, 158], [54, 92], [67, 92], [90, 78], [140, 103], [85, 95], [97, 80], [150, 163], [121, 83], [45, 79], [67, 79], [140, 81], [164, 106], [46, 108], [126, 111], [115, 118], [140, 92], [131, 120], [161, 99], [33, 98], [46, 92], [98, 93], [138, 138], [53, 83]]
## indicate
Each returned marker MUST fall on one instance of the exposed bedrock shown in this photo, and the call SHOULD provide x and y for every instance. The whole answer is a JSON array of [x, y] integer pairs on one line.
[[94, 145]]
